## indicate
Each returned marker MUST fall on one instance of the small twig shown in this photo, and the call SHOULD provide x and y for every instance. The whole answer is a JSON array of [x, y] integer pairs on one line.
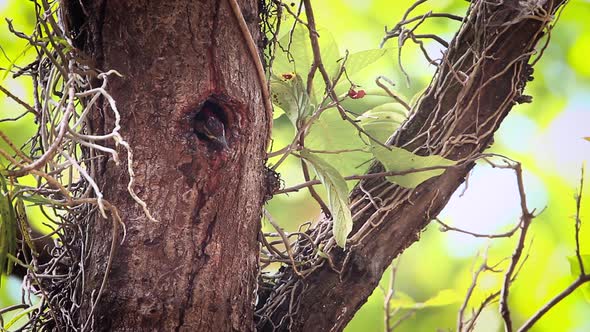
[[433, 37], [570, 289], [461, 314], [389, 293], [28, 107], [407, 315], [580, 280], [253, 50], [56, 143], [362, 176], [285, 239], [446, 227], [391, 93], [291, 12], [526, 219], [470, 290], [314, 193], [578, 223], [337, 151]]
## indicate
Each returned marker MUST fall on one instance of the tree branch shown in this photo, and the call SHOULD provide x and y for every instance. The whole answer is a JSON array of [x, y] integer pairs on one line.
[[480, 79]]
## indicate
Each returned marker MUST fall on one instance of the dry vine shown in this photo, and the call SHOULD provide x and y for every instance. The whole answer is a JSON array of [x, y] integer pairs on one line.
[[62, 156]]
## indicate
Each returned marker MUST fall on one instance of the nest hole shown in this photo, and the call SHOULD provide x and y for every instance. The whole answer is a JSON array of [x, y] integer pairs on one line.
[[214, 106], [211, 123]]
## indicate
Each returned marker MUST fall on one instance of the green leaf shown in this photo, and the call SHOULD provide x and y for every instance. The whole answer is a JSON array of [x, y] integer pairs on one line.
[[32, 198], [374, 97], [13, 62], [399, 160], [403, 301], [296, 55], [443, 298], [360, 60], [8, 226], [380, 122], [337, 196], [575, 271], [21, 314], [277, 112], [575, 266], [37, 199], [322, 254], [329, 50], [289, 94], [23, 224], [60, 41], [379, 92], [330, 132], [330, 56]]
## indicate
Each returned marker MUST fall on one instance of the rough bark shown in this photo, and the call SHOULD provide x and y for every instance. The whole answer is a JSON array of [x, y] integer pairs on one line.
[[480, 79], [195, 269]]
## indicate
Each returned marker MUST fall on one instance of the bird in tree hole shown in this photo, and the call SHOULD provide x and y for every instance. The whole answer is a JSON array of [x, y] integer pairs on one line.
[[209, 126]]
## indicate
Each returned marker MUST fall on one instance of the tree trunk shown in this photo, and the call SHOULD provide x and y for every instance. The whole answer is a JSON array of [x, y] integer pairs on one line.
[[195, 269], [481, 76]]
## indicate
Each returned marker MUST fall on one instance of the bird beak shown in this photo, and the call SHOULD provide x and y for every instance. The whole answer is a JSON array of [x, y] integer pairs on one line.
[[222, 141]]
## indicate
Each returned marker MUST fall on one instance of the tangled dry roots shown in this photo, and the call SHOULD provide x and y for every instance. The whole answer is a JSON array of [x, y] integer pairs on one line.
[[61, 158]]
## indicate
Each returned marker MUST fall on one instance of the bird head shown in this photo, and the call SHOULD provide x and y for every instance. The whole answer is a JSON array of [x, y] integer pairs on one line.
[[212, 129]]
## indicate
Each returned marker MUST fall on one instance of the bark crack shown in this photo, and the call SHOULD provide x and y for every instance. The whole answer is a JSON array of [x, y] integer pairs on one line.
[[208, 236], [97, 38], [189, 296], [211, 51], [190, 29], [193, 270]]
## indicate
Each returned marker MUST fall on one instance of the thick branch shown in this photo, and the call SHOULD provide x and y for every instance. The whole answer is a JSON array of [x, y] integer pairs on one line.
[[480, 78]]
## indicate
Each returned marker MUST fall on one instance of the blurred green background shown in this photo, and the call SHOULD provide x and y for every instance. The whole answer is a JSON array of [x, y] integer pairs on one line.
[[546, 136]]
